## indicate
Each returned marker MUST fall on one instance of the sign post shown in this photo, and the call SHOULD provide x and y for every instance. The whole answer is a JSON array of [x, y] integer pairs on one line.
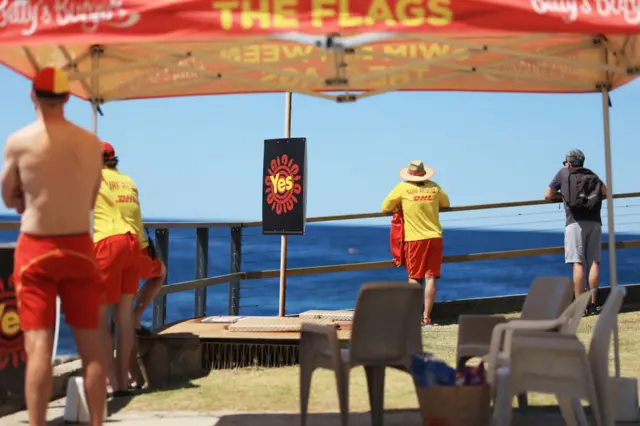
[[284, 239], [12, 355], [284, 196]]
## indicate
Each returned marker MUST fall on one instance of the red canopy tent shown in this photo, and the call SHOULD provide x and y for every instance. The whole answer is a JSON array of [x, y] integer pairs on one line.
[[342, 50], [157, 48]]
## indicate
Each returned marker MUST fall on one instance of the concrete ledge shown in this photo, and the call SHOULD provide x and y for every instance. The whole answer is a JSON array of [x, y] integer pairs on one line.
[[513, 303], [61, 373], [167, 360]]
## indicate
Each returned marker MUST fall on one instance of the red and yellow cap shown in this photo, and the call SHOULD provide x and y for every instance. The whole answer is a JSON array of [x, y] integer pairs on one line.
[[51, 81], [108, 153]]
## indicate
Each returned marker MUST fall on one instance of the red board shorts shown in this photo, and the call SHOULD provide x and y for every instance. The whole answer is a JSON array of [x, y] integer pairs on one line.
[[423, 257], [64, 266], [119, 264], [149, 268]]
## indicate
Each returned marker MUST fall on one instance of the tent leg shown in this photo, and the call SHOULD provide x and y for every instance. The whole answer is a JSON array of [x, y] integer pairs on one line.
[[283, 238], [95, 64], [94, 118], [613, 278]]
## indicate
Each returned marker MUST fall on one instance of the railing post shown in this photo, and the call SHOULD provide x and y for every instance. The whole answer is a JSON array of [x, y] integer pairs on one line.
[[235, 266], [160, 302], [202, 271]]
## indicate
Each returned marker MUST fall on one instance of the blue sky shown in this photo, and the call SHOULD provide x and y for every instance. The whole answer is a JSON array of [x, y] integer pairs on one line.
[[201, 158]]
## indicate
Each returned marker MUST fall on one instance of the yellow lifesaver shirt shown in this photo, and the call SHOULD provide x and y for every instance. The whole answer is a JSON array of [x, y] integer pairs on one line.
[[420, 208], [126, 197], [107, 219]]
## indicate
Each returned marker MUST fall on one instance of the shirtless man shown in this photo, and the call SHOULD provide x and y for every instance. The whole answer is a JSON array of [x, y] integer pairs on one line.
[[51, 174]]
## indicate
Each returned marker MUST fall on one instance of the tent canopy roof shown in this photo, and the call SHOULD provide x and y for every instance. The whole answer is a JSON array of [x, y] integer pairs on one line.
[[383, 45]]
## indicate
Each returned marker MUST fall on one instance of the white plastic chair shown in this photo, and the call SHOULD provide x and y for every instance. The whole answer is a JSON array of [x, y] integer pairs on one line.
[[385, 333], [558, 363], [547, 298], [566, 323]]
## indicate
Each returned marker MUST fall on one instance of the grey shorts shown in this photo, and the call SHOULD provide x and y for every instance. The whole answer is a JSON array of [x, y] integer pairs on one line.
[[582, 242]]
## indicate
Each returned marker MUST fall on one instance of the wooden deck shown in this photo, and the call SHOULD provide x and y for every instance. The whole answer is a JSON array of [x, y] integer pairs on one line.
[[233, 342], [254, 329]]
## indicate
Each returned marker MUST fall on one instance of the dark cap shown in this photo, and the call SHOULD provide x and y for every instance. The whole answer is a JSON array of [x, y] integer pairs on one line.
[[575, 157]]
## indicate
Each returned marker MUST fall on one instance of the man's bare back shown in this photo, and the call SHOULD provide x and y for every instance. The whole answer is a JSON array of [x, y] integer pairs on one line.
[[57, 168]]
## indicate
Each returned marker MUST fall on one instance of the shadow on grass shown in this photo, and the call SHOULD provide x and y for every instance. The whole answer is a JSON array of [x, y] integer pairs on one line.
[[446, 321], [115, 405], [391, 418], [632, 307], [531, 416]]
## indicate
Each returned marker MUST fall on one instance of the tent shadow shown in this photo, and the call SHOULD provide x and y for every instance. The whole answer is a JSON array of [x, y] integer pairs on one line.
[[391, 418], [116, 405], [531, 416]]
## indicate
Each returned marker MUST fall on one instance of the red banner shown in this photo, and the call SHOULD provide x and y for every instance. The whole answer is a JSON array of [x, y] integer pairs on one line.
[[29, 22]]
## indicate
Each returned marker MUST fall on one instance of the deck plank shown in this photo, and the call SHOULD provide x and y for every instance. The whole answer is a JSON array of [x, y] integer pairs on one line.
[[220, 331]]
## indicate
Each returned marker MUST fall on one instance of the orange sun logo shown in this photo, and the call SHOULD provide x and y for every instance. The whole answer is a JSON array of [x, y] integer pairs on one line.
[[283, 184], [11, 338]]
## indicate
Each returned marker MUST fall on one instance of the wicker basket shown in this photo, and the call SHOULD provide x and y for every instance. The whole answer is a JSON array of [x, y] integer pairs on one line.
[[454, 405]]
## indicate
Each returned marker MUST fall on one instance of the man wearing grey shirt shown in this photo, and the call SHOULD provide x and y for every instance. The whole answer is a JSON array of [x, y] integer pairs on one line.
[[581, 191]]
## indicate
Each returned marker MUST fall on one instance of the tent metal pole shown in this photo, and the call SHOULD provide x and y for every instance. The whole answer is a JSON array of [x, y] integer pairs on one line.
[[282, 301], [613, 278], [95, 65], [94, 118]]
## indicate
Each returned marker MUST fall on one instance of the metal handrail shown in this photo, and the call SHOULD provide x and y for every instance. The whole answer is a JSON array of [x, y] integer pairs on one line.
[[202, 281], [12, 226], [368, 266]]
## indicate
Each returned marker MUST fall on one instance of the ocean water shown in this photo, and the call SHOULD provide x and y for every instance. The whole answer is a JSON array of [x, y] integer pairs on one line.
[[330, 244]]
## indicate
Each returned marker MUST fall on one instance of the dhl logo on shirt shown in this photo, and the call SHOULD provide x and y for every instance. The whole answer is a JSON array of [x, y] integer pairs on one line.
[[422, 194], [117, 187], [127, 199]]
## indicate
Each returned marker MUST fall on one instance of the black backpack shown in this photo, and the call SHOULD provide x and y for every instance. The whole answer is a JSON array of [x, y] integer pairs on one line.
[[585, 189]]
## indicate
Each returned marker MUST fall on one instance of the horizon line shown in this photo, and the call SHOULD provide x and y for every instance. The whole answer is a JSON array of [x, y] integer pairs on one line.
[[341, 223]]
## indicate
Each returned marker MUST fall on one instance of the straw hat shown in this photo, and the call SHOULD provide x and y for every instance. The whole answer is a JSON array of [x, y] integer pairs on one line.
[[416, 172]]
